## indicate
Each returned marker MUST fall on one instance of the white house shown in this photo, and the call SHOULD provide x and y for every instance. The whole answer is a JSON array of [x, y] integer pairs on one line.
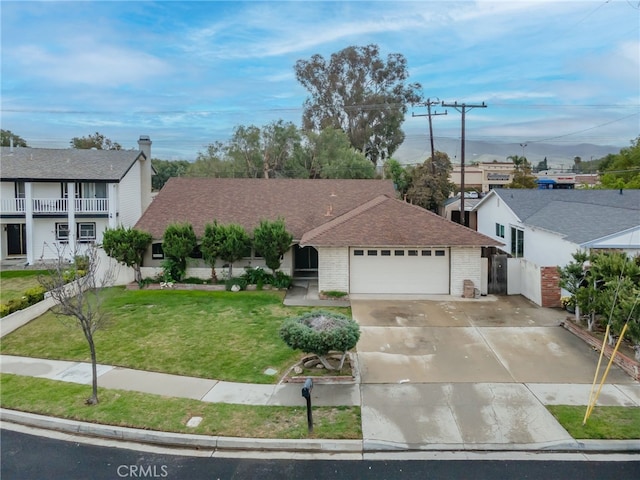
[[352, 235], [541, 229], [52, 199]]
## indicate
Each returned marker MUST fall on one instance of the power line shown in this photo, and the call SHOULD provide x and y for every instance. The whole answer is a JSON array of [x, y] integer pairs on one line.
[[428, 104], [462, 108]]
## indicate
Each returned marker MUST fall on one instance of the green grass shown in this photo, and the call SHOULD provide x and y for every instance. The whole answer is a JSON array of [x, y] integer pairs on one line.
[[610, 423], [170, 414], [13, 283], [221, 335]]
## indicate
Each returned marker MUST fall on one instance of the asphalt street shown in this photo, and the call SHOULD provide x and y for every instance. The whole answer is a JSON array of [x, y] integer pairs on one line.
[[28, 457]]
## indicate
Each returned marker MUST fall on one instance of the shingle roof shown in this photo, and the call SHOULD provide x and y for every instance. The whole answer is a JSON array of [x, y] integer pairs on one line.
[[304, 204], [386, 221], [578, 215], [48, 164]]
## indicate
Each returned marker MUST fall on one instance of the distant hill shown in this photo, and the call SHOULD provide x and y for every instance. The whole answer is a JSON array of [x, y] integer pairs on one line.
[[417, 150]]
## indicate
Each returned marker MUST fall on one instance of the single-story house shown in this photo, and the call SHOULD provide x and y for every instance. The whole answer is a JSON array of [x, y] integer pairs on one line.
[[352, 235], [541, 229]]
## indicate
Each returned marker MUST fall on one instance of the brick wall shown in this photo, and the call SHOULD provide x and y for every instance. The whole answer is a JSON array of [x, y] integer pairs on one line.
[[627, 364], [466, 264], [550, 287], [333, 269]]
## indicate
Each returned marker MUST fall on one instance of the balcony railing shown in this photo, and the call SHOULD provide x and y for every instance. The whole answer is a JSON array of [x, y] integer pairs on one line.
[[54, 205]]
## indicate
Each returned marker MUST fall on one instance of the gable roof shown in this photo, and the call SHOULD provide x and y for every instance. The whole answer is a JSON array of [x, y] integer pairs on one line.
[[303, 204], [386, 221], [50, 164], [580, 216]]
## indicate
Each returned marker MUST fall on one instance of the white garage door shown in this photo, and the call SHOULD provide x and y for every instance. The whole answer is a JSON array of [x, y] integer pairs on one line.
[[410, 271]]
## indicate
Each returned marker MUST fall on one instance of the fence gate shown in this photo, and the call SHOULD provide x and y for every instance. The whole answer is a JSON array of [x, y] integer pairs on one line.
[[498, 275]]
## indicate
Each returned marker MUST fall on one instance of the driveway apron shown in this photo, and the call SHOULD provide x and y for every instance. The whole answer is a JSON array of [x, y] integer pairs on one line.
[[454, 371]]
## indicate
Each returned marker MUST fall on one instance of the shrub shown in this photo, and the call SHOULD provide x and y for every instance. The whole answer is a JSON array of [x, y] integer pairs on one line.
[[257, 276], [281, 280], [320, 332], [35, 294]]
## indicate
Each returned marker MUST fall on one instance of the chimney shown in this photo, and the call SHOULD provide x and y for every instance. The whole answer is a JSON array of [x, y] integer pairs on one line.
[[145, 146], [146, 171]]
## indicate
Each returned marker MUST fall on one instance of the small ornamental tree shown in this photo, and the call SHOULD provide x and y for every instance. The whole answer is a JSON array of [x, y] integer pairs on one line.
[[320, 332], [233, 243], [210, 247], [272, 241], [127, 246], [178, 241]]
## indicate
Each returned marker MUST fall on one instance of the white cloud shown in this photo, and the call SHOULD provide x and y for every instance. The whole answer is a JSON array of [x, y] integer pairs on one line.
[[97, 65]]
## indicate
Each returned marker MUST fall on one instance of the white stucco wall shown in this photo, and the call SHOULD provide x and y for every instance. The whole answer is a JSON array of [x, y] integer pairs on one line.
[[466, 264], [333, 269], [547, 249], [531, 285], [493, 210]]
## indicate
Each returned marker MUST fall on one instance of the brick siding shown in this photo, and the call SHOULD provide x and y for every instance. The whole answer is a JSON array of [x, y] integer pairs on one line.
[[550, 287]]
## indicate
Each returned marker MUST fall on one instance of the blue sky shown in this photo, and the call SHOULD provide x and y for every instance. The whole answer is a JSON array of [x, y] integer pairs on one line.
[[186, 73]]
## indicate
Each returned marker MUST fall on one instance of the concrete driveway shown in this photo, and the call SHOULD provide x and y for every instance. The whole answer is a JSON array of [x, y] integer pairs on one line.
[[451, 371]]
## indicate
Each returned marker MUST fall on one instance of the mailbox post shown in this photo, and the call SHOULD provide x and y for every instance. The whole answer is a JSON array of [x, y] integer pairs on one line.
[[306, 393]]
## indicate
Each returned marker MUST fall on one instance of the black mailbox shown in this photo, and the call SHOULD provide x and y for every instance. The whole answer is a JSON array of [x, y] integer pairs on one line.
[[308, 386]]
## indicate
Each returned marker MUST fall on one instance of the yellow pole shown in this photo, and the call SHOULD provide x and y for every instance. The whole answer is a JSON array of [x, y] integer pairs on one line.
[[604, 377], [595, 377]]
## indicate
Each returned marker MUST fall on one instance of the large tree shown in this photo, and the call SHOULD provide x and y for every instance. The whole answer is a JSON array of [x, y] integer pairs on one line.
[[360, 93], [165, 169], [622, 170], [7, 135], [429, 184], [328, 154], [97, 141], [522, 176]]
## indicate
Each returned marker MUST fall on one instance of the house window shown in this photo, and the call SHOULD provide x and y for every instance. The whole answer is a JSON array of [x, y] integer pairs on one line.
[[399, 253], [156, 251], [440, 253], [385, 253], [499, 230], [517, 242], [413, 253], [62, 232], [20, 190], [372, 253], [86, 232], [426, 253], [358, 253], [65, 190]]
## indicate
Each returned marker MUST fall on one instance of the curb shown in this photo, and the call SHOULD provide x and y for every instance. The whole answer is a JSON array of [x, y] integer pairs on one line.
[[179, 439], [185, 440]]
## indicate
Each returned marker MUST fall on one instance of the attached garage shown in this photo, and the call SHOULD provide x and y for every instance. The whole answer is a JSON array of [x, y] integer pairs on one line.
[[394, 270]]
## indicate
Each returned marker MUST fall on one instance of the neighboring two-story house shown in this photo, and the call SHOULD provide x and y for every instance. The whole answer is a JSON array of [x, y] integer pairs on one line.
[[55, 199], [541, 229]]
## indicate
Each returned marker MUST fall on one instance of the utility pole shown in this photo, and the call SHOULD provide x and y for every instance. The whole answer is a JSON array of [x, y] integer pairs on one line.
[[428, 104], [462, 108]]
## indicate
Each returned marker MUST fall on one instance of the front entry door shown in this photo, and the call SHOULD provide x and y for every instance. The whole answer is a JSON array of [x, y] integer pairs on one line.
[[16, 239], [305, 261]]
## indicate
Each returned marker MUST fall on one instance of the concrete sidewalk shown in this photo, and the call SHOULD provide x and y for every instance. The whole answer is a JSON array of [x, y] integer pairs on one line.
[[205, 390]]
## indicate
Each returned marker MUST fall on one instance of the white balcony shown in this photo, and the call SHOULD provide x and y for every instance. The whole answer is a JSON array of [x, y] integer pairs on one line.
[[54, 205]]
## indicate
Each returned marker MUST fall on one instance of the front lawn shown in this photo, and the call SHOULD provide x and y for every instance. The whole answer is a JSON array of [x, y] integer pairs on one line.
[[220, 335], [610, 423], [170, 414], [13, 283]]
